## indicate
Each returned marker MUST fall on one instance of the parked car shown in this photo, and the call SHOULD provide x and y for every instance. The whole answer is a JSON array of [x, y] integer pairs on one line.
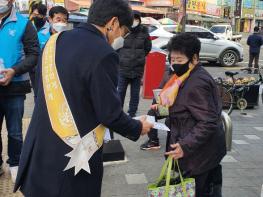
[[213, 48], [225, 31]]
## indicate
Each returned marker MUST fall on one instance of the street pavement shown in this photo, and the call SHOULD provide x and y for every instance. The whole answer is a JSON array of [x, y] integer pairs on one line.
[[242, 167]]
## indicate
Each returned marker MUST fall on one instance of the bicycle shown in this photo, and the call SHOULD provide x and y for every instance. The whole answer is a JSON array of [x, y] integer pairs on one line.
[[232, 94]]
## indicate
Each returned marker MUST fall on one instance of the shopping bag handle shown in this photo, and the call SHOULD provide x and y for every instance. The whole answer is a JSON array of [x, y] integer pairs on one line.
[[168, 176]]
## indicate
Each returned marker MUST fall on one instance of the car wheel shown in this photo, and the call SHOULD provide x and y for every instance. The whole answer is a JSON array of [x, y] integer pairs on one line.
[[228, 58]]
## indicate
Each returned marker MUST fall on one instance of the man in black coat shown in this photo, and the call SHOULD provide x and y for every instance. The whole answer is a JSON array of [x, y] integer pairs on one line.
[[88, 70], [136, 47], [254, 41]]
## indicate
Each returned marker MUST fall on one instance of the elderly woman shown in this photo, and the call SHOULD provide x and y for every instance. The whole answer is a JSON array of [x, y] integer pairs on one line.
[[197, 135]]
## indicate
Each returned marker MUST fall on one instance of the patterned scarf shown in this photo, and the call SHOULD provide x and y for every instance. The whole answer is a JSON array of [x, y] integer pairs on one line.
[[170, 91]]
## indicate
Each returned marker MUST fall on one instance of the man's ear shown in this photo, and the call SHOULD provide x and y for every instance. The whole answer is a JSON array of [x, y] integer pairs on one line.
[[110, 24]]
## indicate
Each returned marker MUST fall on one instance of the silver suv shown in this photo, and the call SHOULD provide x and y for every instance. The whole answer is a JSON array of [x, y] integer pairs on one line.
[[213, 48]]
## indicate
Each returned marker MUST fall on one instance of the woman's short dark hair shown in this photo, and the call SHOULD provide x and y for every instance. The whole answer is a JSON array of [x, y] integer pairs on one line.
[[41, 8], [102, 11], [58, 10], [186, 44]]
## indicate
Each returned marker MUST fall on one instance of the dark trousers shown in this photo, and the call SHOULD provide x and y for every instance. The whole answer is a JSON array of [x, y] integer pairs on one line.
[[135, 93], [209, 184], [253, 57], [12, 109]]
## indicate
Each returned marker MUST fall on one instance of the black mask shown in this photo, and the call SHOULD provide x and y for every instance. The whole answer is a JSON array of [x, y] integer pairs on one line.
[[180, 69], [39, 22]]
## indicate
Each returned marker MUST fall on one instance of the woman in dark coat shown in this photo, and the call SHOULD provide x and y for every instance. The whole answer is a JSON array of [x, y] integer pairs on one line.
[[197, 135]]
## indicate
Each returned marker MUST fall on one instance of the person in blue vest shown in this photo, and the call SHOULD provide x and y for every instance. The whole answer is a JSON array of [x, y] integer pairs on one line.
[[19, 51]]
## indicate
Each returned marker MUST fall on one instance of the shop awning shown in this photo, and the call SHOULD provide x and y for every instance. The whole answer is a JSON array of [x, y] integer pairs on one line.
[[204, 18], [146, 10]]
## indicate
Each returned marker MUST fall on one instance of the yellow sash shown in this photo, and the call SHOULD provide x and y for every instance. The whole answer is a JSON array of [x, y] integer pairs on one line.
[[60, 115]]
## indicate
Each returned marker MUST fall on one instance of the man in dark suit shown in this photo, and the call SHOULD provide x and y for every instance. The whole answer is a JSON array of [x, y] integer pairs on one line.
[[87, 67]]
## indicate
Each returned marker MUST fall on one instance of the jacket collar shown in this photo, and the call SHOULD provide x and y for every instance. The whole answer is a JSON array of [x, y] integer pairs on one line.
[[91, 28], [193, 71], [11, 17]]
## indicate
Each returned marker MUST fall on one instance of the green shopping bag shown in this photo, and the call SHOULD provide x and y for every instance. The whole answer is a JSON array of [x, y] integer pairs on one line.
[[186, 187]]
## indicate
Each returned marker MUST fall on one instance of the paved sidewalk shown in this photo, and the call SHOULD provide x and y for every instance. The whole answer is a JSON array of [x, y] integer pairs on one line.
[[242, 167]]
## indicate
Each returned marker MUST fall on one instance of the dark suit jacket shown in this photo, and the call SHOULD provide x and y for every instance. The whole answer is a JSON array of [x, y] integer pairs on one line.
[[196, 123], [88, 70]]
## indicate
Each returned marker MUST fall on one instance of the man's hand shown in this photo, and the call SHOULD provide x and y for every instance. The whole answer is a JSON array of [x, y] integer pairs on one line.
[[177, 153], [8, 76], [146, 126]]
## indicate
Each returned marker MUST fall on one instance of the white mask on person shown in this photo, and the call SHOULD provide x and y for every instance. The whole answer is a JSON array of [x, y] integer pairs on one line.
[[118, 43], [135, 24], [59, 27], [4, 7]]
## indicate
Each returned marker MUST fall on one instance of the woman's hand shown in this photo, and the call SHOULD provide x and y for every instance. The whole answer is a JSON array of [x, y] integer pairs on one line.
[[177, 153], [154, 107]]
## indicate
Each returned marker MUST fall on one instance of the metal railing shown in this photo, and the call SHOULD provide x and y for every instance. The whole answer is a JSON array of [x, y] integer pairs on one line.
[[228, 127]]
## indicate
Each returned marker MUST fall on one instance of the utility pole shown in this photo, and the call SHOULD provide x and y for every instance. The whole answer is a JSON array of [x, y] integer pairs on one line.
[[184, 16]]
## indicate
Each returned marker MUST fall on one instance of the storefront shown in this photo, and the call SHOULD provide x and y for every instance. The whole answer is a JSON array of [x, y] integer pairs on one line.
[[259, 18], [246, 23], [168, 7]]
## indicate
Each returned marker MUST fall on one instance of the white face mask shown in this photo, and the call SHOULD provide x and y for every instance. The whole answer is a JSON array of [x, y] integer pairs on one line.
[[118, 43], [4, 7], [59, 27], [135, 24]]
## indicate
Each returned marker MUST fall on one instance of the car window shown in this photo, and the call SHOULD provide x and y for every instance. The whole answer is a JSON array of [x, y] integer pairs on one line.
[[218, 29], [203, 35], [151, 28], [171, 29], [197, 29]]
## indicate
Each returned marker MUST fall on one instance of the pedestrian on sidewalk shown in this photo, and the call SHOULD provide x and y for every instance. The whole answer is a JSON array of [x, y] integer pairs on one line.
[[19, 51], [197, 135], [254, 41], [77, 99], [136, 47], [153, 141]]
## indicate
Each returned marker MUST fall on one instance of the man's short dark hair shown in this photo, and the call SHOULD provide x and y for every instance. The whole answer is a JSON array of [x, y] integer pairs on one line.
[[256, 29], [41, 8], [102, 11], [185, 43], [58, 10]]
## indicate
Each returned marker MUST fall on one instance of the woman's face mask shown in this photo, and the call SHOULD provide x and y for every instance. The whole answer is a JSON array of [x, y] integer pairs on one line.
[[4, 6], [180, 69]]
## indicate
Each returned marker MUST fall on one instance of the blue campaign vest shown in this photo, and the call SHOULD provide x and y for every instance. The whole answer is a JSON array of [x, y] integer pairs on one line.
[[44, 35], [11, 46]]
